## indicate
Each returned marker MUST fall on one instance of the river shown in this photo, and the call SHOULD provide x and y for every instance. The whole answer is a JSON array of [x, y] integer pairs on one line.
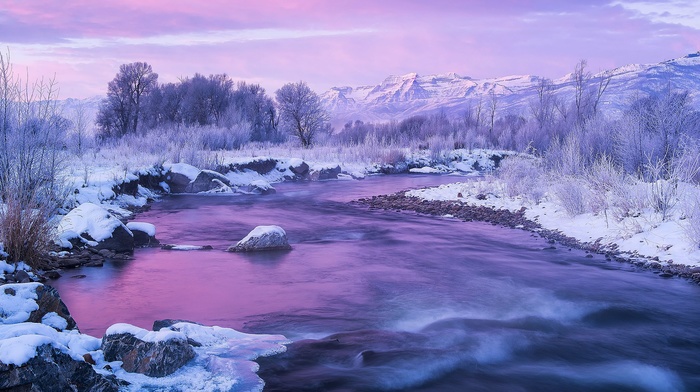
[[424, 303]]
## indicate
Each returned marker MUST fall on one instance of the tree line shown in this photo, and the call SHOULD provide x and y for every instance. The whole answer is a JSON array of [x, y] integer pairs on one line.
[[137, 102]]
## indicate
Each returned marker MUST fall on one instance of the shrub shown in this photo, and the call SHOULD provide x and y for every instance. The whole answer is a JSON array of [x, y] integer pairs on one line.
[[522, 175], [571, 194]]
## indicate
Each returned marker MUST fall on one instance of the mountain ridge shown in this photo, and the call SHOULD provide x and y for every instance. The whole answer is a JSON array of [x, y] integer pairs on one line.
[[401, 96]]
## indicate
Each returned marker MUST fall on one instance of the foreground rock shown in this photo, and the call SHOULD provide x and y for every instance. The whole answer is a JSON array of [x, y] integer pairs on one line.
[[155, 354], [53, 370], [93, 226], [262, 238], [41, 348]]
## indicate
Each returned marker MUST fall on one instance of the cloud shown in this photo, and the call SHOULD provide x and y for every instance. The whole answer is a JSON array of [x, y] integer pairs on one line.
[[680, 12], [340, 42]]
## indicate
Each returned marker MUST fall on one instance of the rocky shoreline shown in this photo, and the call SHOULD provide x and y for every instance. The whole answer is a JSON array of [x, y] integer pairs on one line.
[[399, 202]]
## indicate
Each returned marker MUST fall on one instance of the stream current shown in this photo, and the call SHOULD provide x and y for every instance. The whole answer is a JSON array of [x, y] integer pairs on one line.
[[427, 303]]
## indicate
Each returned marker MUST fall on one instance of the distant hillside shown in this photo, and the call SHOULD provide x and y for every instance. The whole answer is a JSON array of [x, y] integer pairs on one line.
[[398, 97]]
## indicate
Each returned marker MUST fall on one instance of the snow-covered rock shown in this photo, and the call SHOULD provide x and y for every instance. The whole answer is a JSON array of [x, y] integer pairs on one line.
[[179, 176], [207, 180], [153, 353], [185, 247], [36, 303], [326, 173], [262, 238], [37, 363], [261, 187], [144, 233], [41, 348], [92, 225]]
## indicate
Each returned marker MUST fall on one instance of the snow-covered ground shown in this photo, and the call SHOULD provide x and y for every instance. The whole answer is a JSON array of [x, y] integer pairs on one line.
[[646, 234]]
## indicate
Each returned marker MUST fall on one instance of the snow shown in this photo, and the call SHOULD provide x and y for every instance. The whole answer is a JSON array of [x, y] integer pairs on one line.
[[185, 247], [17, 308], [645, 236], [87, 218], [142, 334], [18, 342], [260, 231], [52, 319], [147, 228], [425, 170], [18, 350], [3, 254], [6, 268], [185, 169]]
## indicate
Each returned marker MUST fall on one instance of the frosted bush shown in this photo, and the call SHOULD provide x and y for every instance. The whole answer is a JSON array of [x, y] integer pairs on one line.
[[522, 176], [691, 225], [604, 178], [571, 194]]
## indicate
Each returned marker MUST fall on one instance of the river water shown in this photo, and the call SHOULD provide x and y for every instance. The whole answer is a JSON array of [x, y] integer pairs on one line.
[[424, 303]]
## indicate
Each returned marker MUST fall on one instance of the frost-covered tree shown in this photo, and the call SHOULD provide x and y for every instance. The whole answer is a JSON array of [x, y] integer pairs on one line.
[[121, 111], [301, 112], [31, 149], [258, 109]]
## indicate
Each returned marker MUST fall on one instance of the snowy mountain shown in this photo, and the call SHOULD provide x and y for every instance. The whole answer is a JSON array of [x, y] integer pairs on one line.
[[398, 97]]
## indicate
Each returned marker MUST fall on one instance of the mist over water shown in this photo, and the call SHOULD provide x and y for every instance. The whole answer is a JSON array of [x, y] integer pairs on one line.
[[413, 302]]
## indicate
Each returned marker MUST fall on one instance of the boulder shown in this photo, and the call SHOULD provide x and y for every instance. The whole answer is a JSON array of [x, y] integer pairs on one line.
[[53, 370], [299, 168], [122, 240], [177, 182], [260, 166], [179, 176], [35, 303], [325, 174], [50, 303], [92, 225], [207, 180], [153, 353], [261, 187], [144, 234], [262, 238], [130, 187]]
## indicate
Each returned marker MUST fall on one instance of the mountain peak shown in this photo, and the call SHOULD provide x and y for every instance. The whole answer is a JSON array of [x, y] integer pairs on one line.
[[402, 96]]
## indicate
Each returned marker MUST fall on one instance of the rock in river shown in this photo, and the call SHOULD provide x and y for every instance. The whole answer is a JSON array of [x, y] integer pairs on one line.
[[153, 353], [262, 238]]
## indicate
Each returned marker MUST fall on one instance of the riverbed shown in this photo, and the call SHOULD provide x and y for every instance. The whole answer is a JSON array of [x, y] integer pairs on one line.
[[428, 303]]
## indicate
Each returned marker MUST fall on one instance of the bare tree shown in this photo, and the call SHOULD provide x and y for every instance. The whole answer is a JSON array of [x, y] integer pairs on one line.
[[301, 112], [120, 112], [493, 106], [30, 162], [580, 79]]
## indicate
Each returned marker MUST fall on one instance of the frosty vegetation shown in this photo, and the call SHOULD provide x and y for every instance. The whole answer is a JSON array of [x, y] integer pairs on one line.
[[647, 158]]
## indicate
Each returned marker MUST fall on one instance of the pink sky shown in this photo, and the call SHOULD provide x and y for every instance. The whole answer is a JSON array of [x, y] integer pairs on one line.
[[334, 43]]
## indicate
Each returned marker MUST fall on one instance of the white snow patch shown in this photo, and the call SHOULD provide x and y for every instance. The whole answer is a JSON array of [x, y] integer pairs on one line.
[[425, 170], [18, 342], [18, 350], [16, 308], [52, 319], [145, 335], [184, 247], [147, 228], [188, 171]]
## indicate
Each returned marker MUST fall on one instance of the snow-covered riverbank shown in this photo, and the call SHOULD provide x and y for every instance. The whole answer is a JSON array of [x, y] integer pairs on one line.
[[645, 235]]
